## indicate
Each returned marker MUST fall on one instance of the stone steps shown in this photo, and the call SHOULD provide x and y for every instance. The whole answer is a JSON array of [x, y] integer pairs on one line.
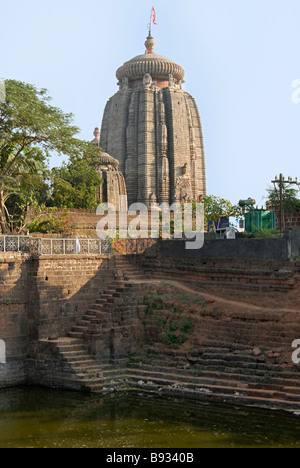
[[86, 374], [223, 368], [113, 310], [166, 375], [235, 276], [217, 387], [129, 270], [99, 315], [221, 361], [222, 284], [243, 368], [201, 371], [275, 383]]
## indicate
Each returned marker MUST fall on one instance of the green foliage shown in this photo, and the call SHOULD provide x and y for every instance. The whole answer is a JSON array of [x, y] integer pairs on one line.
[[260, 233], [176, 332], [174, 328], [291, 202], [75, 184], [187, 325], [172, 339], [29, 123], [216, 207], [30, 130], [154, 302], [157, 302], [47, 223]]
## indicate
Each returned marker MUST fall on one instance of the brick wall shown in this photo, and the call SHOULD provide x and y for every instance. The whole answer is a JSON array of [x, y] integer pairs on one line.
[[81, 223], [43, 297], [62, 289], [14, 275], [291, 220]]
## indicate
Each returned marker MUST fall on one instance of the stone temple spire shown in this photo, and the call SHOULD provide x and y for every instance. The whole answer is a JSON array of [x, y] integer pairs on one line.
[[153, 128]]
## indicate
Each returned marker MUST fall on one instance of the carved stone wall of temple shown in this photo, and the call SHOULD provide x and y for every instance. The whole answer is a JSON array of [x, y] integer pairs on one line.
[[153, 128], [113, 181]]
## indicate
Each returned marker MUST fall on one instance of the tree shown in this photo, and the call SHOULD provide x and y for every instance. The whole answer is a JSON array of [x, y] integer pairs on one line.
[[30, 130], [291, 202], [216, 207], [74, 185]]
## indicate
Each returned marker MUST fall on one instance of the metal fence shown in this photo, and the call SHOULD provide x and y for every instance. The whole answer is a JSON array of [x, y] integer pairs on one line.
[[41, 246], [52, 246]]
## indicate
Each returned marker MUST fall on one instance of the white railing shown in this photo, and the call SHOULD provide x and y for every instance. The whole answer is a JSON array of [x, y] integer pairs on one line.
[[43, 246]]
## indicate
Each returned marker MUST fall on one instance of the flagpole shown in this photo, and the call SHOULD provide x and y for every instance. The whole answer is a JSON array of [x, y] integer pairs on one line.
[[150, 24], [152, 18]]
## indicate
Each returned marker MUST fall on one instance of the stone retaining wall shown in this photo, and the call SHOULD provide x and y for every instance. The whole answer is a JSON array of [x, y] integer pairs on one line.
[[43, 297], [281, 249], [14, 286]]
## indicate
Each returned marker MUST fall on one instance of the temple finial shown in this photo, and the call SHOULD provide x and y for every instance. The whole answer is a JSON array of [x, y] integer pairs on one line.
[[150, 44], [96, 140]]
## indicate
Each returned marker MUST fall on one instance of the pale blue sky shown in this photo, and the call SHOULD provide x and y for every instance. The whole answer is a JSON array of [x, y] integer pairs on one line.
[[240, 57]]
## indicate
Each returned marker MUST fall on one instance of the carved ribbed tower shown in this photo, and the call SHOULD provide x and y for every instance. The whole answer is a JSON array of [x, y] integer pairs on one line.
[[153, 127]]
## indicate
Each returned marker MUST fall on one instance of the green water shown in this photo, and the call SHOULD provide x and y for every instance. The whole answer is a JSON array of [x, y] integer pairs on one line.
[[45, 418]]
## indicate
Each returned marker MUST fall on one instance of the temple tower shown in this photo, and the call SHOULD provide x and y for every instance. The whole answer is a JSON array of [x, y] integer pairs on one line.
[[153, 127]]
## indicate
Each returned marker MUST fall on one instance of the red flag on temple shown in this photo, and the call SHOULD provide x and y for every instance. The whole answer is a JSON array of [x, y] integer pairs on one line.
[[153, 14]]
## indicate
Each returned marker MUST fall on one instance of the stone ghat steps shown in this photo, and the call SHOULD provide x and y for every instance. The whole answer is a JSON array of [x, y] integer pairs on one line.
[[243, 357], [239, 359], [129, 270], [246, 367], [217, 388], [248, 380], [85, 372], [98, 380], [83, 364], [234, 268], [222, 265], [171, 374], [236, 283], [219, 363], [100, 315], [70, 357], [265, 401], [228, 359], [234, 276], [259, 278]]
